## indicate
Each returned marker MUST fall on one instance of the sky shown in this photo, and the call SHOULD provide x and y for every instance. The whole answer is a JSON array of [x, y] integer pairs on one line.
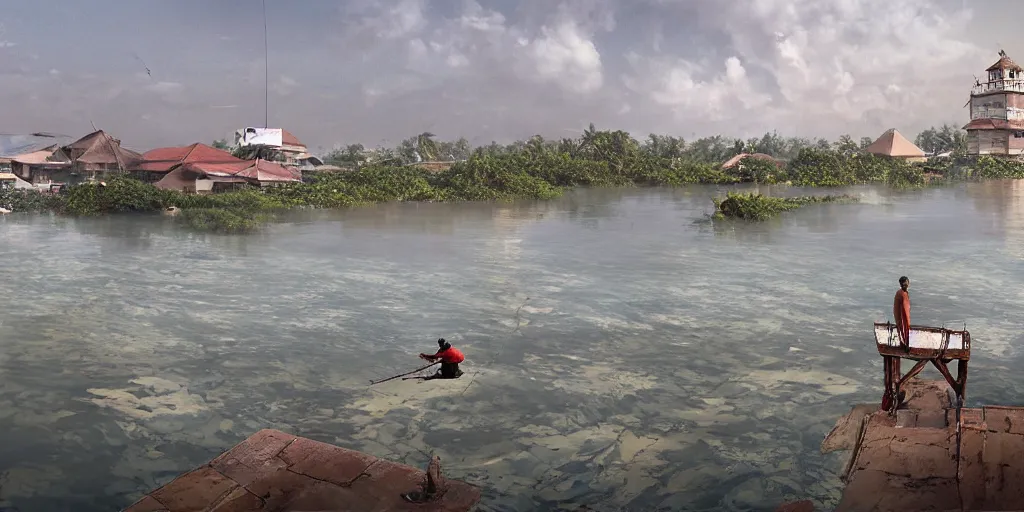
[[377, 71]]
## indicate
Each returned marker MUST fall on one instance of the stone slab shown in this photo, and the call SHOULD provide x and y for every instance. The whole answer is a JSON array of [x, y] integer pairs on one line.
[[910, 462], [846, 432], [796, 506], [272, 471], [1004, 419]]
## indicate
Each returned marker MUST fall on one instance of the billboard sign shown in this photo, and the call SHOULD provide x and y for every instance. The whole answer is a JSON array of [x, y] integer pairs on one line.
[[259, 137]]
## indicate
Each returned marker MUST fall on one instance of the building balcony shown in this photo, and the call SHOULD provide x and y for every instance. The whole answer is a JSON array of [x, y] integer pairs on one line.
[[1014, 85], [989, 114]]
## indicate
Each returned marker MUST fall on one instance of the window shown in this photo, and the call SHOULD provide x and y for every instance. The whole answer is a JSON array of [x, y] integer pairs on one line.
[[1018, 135]]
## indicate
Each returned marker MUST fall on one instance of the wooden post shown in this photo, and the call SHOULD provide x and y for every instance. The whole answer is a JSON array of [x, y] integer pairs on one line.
[[961, 377], [435, 485]]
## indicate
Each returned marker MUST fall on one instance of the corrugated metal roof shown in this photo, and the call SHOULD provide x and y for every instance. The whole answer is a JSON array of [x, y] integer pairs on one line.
[[17, 145], [37, 157]]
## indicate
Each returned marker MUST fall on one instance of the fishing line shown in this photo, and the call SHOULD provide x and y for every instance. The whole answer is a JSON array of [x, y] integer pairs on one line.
[[519, 322]]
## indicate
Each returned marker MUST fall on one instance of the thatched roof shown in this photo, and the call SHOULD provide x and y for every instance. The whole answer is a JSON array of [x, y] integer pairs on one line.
[[100, 149]]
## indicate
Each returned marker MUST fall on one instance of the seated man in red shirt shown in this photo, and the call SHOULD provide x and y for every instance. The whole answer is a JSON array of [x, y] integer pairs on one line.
[[450, 358]]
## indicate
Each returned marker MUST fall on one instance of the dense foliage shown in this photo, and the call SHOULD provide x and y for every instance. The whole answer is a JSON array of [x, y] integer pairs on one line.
[[760, 207], [224, 220], [536, 169]]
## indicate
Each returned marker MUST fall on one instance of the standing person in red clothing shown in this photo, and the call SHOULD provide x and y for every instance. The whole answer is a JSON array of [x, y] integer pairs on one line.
[[450, 358], [901, 311], [901, 314]]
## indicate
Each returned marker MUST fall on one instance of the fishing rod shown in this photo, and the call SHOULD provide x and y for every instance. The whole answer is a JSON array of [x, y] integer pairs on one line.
[[372, 382]]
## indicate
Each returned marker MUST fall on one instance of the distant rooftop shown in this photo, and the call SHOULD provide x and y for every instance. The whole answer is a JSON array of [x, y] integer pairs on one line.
[[12, 145], [1004, 62]]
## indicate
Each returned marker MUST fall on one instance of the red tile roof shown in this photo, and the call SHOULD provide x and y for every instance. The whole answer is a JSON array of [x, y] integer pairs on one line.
[[258, 170], [165, 159], [263, 170], [288, 139], [994, 124], [1004, 62]]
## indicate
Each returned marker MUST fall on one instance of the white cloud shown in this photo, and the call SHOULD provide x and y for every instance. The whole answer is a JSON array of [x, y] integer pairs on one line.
[[284, 85], [164, 87], [565, 56], [673, 84], [736, 67], [816, 62], [404, 18]]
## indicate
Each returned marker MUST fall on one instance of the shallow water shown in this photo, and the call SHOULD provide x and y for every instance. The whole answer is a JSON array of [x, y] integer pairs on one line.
[[658, 361]]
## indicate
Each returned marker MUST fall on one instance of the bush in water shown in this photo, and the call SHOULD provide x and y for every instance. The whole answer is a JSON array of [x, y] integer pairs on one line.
[[224, 220], [21, 200], [759, 207]]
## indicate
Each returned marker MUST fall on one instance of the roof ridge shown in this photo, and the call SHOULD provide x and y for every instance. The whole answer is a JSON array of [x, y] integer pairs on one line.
[[194, 145]]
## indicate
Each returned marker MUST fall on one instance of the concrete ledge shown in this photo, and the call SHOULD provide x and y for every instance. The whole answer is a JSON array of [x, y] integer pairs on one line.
[[275, 472]]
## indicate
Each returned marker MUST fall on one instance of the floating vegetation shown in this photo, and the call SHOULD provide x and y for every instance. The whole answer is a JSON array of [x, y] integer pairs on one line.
[[758, 207], [227, 221]]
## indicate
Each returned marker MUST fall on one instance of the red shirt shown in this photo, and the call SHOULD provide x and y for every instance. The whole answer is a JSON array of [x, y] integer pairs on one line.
[[452, 355]]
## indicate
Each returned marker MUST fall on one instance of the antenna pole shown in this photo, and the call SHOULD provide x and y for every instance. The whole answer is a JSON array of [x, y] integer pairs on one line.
[[266, 70]]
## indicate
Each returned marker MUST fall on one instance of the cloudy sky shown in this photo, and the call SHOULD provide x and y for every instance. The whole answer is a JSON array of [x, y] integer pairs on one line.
[[376, 71]]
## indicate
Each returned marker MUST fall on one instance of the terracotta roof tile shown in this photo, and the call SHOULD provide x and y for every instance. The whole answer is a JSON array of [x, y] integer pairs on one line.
[[893, 143], [994, 124], [1004, 62], [164, 159], [290, 140]]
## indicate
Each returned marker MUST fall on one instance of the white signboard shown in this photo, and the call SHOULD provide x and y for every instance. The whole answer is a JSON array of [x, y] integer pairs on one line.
[[259, 137]]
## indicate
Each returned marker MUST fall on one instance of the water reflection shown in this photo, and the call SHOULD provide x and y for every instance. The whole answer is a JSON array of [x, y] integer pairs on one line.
[[657, 362]]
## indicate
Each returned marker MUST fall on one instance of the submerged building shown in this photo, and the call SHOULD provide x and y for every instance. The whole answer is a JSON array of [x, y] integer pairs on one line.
[[997, 111]]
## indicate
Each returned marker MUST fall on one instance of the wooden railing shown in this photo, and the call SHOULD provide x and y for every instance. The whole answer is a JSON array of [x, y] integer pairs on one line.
[[1011, 85], [994, 113]]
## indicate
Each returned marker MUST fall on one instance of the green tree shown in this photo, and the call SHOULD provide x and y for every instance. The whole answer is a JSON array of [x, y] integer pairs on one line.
[[846, 145], [942, 139], [258, 151]]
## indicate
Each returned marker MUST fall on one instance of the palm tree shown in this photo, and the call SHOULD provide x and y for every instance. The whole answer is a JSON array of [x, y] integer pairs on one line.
[[426, 146]]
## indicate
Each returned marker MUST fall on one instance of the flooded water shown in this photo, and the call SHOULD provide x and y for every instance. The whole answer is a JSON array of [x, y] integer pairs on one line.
[[654, 361]]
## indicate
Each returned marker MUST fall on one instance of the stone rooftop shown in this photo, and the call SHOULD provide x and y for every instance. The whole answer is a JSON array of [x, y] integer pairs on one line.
[[275, 472], [910, 461]]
